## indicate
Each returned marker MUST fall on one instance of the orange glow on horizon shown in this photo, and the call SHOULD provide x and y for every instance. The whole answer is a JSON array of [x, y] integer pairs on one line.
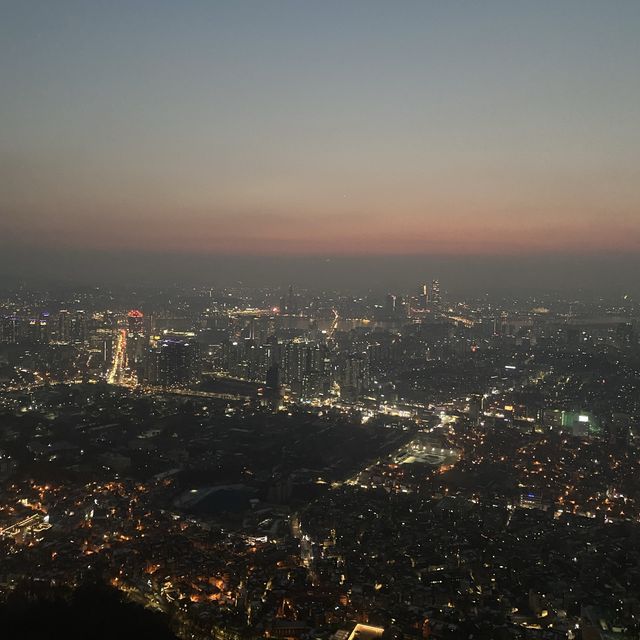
[[472, 239]]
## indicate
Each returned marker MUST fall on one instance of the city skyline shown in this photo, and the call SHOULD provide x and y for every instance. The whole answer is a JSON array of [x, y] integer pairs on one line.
[[274, 462], [320, 320]]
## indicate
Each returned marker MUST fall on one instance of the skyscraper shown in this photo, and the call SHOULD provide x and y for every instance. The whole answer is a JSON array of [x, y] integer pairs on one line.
[[173, 362], [390, 305], [435, 292], [354, 375], [136, 341], [424, 296], [135, 322], [10, 329]]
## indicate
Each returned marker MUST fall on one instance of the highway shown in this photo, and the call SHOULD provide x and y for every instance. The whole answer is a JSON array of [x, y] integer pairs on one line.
[[334, 325], [116, 374]]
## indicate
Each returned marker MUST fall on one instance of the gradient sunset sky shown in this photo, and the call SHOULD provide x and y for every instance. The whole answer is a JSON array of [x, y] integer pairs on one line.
[[331, 128]]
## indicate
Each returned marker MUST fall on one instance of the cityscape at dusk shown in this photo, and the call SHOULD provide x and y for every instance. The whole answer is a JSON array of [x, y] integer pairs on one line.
[[319, 320]]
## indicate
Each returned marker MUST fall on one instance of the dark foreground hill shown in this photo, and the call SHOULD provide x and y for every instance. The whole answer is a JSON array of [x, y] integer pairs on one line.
[[90, 612]]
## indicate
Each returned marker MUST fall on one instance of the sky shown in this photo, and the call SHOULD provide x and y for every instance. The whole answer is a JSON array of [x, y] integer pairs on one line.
[[156, 135]]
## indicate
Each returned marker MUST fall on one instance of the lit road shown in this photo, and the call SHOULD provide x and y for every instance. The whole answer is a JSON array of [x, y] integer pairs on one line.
[[32, 523], [116, 374], [306, 547], [334, 325], [467, 322]]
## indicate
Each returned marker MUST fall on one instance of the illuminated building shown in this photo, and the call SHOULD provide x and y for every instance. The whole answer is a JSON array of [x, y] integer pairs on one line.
[[173, 362], [424, 296], [304, 367], [38, 330], [578, 423], [14, 329], [354, 376], [136, 341], [435, 292], [63, 333], [396, 306], [273, 389], [79, 327], [11, 329], [273, 379], [135, 322], [581, 423], [71, 327], [289, 303], [390, 304]]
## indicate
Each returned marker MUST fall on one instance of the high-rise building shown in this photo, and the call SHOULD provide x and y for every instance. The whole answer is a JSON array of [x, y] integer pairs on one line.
[[435, 292], [71, 327], [424, 296], [355, 374], [136, 340], [37, 331], [273, 378], [63, 333], [10, 329], [390, 305], [79, 327], [289, 303], [304, 367], [135, 322], [173, 362]]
